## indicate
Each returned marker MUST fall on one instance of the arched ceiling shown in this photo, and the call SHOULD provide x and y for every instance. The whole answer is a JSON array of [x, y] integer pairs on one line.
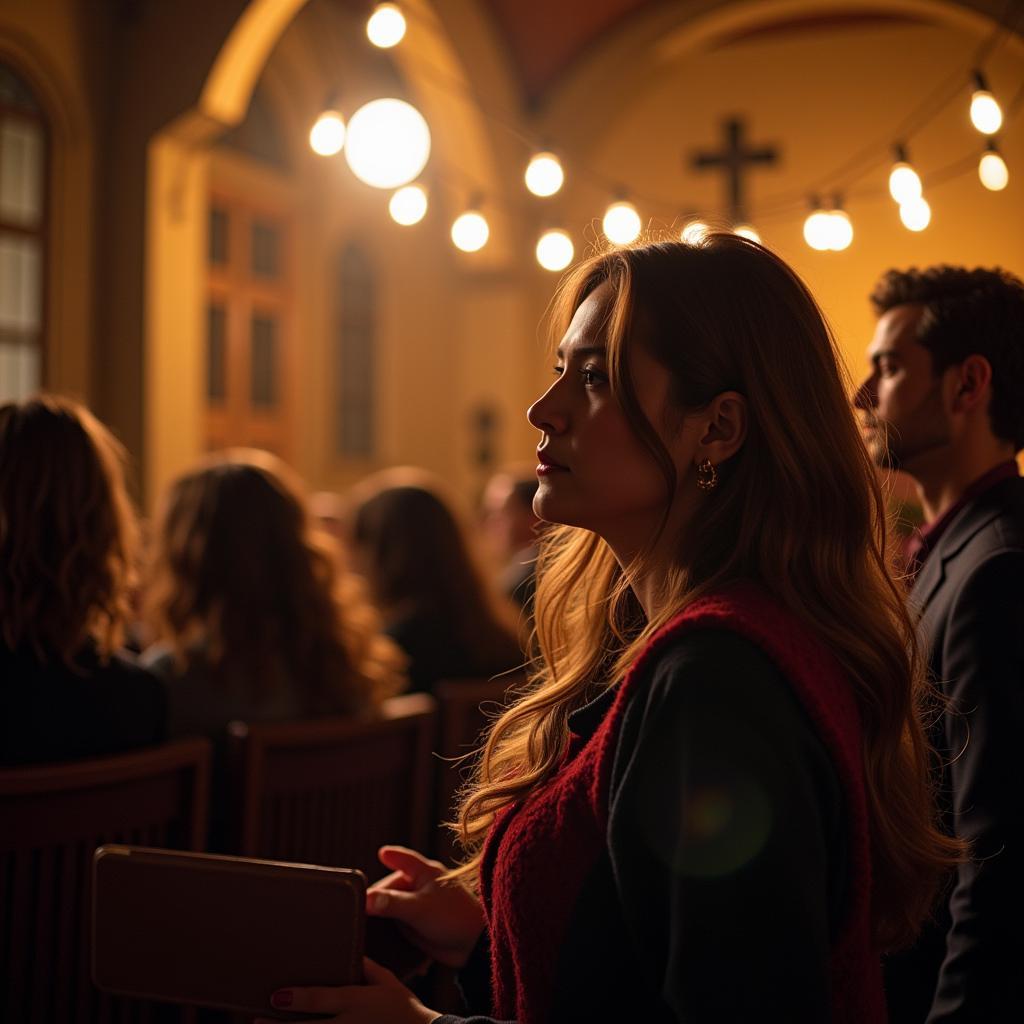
[[544, 38]]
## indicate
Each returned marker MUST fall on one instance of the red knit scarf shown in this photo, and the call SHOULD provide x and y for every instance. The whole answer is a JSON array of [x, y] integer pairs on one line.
[[539, 851]]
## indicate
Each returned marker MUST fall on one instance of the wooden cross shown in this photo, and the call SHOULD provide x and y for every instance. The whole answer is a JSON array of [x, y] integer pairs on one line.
[[734, 159]]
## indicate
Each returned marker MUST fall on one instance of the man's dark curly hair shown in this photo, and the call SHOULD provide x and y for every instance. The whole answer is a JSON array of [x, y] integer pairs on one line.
[[969, 312]]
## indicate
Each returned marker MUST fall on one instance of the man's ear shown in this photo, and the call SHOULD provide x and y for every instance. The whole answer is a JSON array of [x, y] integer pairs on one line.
[[726, 428], [972, 383]]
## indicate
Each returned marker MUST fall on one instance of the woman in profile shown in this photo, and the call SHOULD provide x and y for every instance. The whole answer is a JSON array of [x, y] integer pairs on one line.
[[251, 616], [436, 602], [714, 803], [67, 554]]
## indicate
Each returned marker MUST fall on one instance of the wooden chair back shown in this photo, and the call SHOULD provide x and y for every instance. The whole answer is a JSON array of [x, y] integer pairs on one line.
[[332, 790], [52, 818], [466, 708]]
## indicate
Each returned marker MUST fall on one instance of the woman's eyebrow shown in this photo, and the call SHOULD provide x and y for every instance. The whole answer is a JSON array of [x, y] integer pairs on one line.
[[583, 350]]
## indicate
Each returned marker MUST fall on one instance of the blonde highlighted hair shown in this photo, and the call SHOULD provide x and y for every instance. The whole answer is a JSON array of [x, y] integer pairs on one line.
[[242, 580], [798, 509], [67, 530]]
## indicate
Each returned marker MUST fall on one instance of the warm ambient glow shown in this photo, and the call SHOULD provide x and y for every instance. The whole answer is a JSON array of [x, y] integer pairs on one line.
[[986, 114], [747, 231], [993, 172], [694, 232], [327, 136], [621, 224], [544, 175], [917, 214], [408, 205], [840, 230], [386, 26], [904, 183], [388, 143], [470, 231], [555, 250]]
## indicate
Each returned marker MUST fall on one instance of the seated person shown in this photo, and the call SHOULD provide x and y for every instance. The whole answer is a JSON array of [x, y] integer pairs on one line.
[[506, 512], [67, 547], [435, 600], [251, 617]]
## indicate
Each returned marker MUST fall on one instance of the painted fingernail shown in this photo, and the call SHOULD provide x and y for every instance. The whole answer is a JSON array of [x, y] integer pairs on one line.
[[282, 998]]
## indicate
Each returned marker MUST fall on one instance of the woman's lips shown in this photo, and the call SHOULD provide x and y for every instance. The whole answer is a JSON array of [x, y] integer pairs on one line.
[[547, 465]]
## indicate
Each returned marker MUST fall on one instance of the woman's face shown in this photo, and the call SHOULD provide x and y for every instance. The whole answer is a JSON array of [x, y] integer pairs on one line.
[[594, 472]]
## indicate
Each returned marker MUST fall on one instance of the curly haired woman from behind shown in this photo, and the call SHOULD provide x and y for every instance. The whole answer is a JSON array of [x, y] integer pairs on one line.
[[67, 545], [252, 618]]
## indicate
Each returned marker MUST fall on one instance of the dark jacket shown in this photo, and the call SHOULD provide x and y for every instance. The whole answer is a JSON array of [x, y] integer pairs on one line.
[[52, 712], [970, 593]]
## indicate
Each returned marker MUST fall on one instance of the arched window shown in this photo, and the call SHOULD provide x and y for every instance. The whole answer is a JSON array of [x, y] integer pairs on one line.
[[22, 236], [356, 330]]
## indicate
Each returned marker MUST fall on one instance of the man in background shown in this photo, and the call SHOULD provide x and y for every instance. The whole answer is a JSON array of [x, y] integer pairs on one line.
[[944, 403]]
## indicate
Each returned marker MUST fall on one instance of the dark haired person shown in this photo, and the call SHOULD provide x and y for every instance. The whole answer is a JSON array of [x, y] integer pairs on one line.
[[506, 511], [67, 548], [944, 403]]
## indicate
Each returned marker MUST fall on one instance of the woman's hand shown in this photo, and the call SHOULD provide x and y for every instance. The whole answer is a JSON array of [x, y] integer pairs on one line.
[[443, 919], [382, 1000]]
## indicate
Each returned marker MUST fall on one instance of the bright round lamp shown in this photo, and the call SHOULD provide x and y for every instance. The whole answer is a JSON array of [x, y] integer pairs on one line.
[[986, 114], [386, 26], [621, 224], [747, 231], [993, 172], [544, 175], [408, 205], [388, 143], [470, 231], [904, 183], [555, 250], [817, 231], [916, 215], [694, 232], [327, 136], [840, 229]]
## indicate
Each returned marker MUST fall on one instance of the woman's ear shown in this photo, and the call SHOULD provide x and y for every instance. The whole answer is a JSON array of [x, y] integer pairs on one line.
[[726, 428]]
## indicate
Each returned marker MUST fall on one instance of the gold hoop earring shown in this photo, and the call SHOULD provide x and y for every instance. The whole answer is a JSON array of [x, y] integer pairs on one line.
[[707, 476]]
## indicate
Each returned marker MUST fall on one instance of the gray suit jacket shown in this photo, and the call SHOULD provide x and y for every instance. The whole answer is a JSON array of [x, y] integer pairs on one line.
[[970, 594]]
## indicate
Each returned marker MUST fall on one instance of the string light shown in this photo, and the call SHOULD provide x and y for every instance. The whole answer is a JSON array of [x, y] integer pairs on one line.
[[818, 228], [840, 230], [555, 250], [621, 224], [986, 114], [544, 175], [992, 169], [408, 205], [916, 214], [694, 232], [470, 231], [388, 143], [904, 181], [386, 26], [748, 232], [327, 136]]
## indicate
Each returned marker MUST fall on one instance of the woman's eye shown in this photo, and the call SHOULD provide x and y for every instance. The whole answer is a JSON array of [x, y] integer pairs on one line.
[[558, 370], [592, 377]]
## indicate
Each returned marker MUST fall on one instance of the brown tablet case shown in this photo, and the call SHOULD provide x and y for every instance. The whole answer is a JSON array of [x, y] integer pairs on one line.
[[222, 932]]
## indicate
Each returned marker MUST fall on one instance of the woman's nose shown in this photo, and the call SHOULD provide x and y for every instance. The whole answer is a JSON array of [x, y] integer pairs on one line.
[[545, 414]]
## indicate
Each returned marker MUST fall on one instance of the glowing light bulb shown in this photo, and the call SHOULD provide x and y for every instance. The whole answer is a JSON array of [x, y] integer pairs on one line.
[[544, 175], [555, 250], [840, 229], [408, 205], [470, 231], [993, 172], [747, 231], [386, 26], [327, 136], [621, 224], [986, 114], [388, 143], [694, 232], [818, 230], [904, 183], [916, 214]]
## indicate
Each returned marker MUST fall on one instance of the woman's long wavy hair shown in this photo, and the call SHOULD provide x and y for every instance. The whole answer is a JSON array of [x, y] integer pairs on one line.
[[241, 581], [67, 530], [798, 509], [417, 556]]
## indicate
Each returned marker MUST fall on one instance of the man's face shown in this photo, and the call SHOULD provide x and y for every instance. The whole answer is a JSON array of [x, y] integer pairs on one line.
[[904, 416]]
